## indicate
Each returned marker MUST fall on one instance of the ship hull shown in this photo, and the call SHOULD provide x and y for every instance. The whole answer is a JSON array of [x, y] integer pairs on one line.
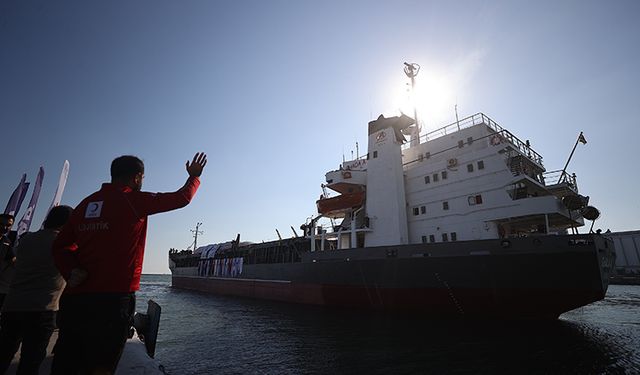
[[539, 277]]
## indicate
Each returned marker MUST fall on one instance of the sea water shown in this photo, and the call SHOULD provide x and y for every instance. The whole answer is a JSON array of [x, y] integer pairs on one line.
[[207, 334]]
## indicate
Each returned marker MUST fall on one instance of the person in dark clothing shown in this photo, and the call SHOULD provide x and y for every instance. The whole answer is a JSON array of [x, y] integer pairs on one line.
[[99, 253], [6, 255], [6, 222], [29, 311]]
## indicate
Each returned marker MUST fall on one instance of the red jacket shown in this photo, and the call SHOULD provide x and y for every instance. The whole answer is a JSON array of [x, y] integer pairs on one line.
[[106, 236]]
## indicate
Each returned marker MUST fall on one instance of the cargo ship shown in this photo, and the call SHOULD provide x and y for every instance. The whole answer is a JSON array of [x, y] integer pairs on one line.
[[463, 221]]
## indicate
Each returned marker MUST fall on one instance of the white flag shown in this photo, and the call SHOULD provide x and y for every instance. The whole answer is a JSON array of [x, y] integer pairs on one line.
[[57, 198]]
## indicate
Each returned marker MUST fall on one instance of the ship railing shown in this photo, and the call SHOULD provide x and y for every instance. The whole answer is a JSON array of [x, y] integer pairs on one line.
[[560, 177], [323, 233], [173, 251], [334, 230], [523, 147], [478, 119]]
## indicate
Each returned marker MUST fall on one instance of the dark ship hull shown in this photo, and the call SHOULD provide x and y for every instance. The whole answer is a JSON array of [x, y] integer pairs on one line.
[[537, 277]]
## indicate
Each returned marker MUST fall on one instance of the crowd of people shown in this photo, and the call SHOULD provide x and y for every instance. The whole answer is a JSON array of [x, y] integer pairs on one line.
[[80, 274]]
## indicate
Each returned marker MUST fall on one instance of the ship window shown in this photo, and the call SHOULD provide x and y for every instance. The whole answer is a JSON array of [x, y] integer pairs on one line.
[[427, 179], [424, 239], [470, 167], [416, 211], [444, 175], [435, 177], [445, 238], [427, 155], [423, 209], [375, 154], [445, 205], [475, 199], [454, 236], [481, 164], [460, 143], [432, 238], [470, 140]]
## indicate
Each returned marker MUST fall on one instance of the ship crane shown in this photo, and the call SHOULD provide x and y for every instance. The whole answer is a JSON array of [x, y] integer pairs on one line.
[[196, 232]]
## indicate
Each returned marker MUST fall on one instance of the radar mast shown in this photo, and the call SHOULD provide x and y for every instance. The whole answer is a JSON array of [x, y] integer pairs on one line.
[[411, 70]]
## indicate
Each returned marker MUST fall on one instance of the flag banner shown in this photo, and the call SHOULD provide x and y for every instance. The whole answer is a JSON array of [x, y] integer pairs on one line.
[[582, 139], [62, 182], [23, 194], [13, 206], [25, 222]]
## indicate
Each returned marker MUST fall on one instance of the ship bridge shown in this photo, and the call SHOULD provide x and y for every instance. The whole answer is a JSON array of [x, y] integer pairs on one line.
[[497, 134]]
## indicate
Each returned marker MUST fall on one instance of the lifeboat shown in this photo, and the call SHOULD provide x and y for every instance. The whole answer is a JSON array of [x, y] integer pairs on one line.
[[337, 206]]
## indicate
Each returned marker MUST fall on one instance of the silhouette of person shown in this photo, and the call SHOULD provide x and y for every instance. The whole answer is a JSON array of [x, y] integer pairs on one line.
[[29, 311], [6, 255]]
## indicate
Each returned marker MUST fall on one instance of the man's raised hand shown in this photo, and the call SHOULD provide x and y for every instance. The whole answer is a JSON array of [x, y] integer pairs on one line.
[[197, 164]]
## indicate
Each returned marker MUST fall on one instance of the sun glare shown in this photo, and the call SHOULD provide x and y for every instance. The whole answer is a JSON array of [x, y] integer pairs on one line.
[[434, 98]]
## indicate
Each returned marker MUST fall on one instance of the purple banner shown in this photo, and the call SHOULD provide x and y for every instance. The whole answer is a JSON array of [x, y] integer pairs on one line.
[[25, 222], [13, 206]]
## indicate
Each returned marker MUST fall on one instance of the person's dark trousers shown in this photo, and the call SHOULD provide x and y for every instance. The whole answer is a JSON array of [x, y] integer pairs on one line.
[[93, 329], [33, 329]]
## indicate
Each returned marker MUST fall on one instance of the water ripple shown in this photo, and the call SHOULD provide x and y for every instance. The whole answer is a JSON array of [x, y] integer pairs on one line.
[[206, 334]]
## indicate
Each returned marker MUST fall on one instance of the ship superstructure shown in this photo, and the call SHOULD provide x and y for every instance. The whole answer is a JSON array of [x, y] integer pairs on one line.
[[470, 180]]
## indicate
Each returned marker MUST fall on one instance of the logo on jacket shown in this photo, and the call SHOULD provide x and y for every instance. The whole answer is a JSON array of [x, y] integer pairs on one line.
[[94, 209]]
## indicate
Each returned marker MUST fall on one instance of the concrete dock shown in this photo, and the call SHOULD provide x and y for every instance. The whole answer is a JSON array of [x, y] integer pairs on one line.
[[134, 359]]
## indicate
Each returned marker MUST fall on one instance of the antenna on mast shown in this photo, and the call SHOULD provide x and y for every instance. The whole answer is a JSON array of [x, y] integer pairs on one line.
[[411, 70], [196, 232]]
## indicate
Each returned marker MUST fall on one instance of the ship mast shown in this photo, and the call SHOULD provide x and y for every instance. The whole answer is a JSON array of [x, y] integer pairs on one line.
[[195, 235], [411, 70]]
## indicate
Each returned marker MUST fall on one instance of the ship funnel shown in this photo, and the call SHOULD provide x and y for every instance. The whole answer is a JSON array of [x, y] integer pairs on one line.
[[410, 130], [397, 123]]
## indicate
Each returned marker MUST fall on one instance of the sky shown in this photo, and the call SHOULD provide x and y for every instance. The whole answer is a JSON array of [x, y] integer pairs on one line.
[[276, 92]]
